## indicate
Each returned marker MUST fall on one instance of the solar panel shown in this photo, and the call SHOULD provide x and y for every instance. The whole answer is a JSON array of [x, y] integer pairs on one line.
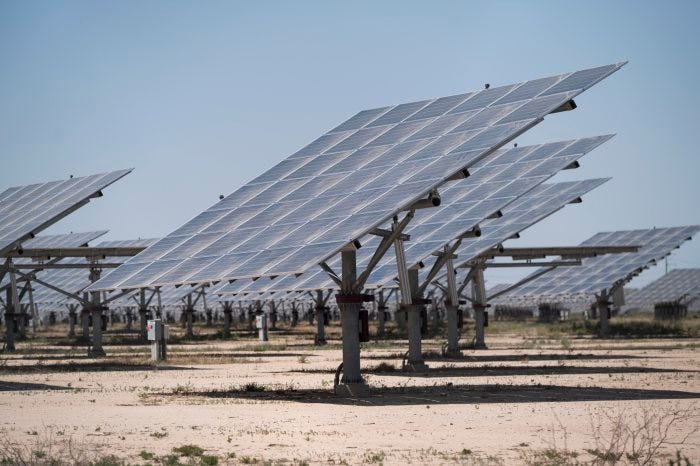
[[325, 208], [67, 240], [599, 273], [27, 210], [673, 286], [431, 229]]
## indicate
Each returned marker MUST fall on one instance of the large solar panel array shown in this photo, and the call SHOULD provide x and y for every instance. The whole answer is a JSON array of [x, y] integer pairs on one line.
[[348, 181], [27, 210], [599, 273], [76, 280], [537, 204], [677, 284]]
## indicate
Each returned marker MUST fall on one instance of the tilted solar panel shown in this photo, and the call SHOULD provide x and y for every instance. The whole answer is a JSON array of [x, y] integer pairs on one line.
[[27, 210], [601, 273], [677, 284], [346, 182]]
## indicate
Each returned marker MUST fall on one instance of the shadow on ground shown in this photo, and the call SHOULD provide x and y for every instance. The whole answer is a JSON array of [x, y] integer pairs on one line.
[[486, 371], [23, 386], [445, 394], [88, 367], [514, 357]]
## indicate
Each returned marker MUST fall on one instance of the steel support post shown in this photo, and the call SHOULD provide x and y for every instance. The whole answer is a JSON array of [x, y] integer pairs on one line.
[[228, 316], [189, 317], [603, 309], [414, 308], [381, 314], [85, 321], [10, 316], [143, 314], [352, 383], [96, 350], [451, 308], [72, 319], [479, 296], [320, 319]]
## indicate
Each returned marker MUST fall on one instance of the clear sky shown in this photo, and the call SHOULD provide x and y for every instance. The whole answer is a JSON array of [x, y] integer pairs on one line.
[[200, 97]]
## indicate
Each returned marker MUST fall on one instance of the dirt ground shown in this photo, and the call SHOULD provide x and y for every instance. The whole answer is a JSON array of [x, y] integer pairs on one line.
[[246, 402]]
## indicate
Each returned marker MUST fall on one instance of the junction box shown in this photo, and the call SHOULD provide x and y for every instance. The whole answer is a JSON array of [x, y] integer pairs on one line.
[[158, 333]]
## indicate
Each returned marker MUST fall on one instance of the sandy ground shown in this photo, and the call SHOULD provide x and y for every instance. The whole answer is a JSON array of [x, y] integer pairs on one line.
[[275, 402]]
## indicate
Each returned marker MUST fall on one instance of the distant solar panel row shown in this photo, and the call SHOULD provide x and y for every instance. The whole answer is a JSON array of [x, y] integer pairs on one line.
[[27, 210], [603, 272], [364, 170], [673, 286]]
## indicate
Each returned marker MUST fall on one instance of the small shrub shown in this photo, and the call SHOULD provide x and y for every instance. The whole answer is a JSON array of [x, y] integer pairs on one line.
[[146, 455], [253, 387], [189, 451]]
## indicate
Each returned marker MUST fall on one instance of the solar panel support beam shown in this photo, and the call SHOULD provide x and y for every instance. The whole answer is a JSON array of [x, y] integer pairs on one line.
[[351, 383]]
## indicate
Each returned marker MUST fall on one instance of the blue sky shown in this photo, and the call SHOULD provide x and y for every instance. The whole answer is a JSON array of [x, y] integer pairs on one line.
[[200, 97]]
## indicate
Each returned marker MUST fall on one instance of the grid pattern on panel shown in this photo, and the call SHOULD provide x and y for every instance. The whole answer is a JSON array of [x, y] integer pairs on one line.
[[495, 183], [675, 285], [599, 273], [346, 182], [26, 210]]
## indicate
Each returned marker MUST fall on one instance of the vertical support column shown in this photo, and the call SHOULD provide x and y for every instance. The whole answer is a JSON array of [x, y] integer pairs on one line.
[[273, 315], [207, 311], [85, 320], [96, 309], [32, 308], [129, 319], [408, 281], [295, 314], [189, 316], [415, 307], [451, 308], [479, 296], [72, 319], [143, 317], [603, 309], [11, 300], [228, 311], [381, 314], [320, 338], [351, 383]]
